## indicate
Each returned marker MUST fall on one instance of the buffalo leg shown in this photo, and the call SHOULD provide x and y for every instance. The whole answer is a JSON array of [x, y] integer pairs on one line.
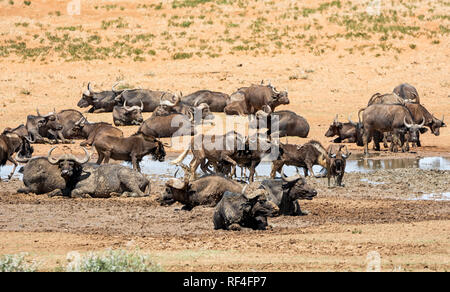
[[277, 165], [107, 156], [366, 142]]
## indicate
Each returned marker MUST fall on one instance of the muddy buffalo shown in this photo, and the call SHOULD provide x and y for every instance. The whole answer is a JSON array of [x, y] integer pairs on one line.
[[216, 101], [93, 131], [258, 96], [128, 116], [345, 132], [236, 211], [100, 102], [407, 92]]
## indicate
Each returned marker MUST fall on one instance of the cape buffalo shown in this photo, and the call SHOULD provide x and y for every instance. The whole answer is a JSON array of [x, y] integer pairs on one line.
[[85, 180], [128, 116], [346, 132], [236, 210], [286, 192], [286, 122], [258, 96], [381, 118], [150, 98], [132, 148], [40, 128], [216, 101], [100, 102], [169, 126], [207, 190], [389, 98], [407, 92], [236, 108]]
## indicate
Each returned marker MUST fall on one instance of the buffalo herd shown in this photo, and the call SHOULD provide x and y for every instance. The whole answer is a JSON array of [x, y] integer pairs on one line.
[[397, 118]]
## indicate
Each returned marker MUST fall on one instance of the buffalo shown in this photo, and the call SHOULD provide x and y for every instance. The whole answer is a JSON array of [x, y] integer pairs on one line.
[[93, 131], [128, 116], [258, 96], [216, 101], [336, 163], [40, 128], [407, 92], [11, 143], [236, 210], [170, 125], [100, 102], [345, 132], [286, 122], [151, 99]]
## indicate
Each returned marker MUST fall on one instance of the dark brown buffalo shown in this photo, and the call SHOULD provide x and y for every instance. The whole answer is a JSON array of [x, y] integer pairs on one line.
[[216, 101], [407, 92], [381, 118], [11, 143], [100, 102], [336, 163], [258, 96], [236, 108], [93, 131], [168, 107], [132, 148], [304, 156], [345, 132], [128, 116]]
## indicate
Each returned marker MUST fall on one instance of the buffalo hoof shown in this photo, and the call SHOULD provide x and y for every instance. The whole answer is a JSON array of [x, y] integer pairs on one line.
[[304, 213]]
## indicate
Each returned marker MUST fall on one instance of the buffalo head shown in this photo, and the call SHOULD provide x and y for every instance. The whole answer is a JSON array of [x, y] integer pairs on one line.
[[414, 129], [334, 129], [69, 165], [297, 188]]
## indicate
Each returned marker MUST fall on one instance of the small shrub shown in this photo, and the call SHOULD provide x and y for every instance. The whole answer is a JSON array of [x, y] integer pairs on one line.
[[412, 46], [28, 3], [179, 56], [16, 263], [111, 261]]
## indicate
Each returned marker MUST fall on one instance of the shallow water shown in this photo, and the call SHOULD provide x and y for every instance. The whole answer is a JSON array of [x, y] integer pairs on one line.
[[164, 170], [432, 197]]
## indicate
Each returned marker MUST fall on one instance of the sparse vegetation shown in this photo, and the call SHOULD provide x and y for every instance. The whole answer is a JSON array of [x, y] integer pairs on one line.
[[16, 263]]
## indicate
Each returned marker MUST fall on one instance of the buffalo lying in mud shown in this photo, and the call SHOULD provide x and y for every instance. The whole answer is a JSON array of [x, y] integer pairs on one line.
[[209, 190], [237, 210], [70, 176], [286, 123], [151, 99]]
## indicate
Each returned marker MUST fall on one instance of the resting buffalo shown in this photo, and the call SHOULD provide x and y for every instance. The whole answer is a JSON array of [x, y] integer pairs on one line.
[[407, 92], [346, 132], [128, 116], [286, 123], [39, 128], [11, 143], [286, 192], [151, 99], [236, 210], [236, 108], [216, 101], [169, 126], [178, 107], [258, 96], [132, 148], [381, 118], [311, 153], [93, 131], [100, 102], [336, 163], [207, 190], [82, 179]]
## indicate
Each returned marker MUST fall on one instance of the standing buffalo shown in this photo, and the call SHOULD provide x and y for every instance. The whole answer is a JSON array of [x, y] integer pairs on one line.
[[380, 118], [258, 96], [11, 143], [131, 149], [389, 98], [100, 102], [407, 92], [345, 132], [237, 210], [216, 101], [169, 125], [93, 131], [128, 116]]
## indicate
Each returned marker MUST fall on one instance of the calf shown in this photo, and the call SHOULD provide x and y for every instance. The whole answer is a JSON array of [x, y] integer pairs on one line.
[[132, 149], [336, 163], [236, 210]]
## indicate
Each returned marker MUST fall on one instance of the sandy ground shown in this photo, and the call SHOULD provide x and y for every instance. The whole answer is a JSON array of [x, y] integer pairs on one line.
[[344, 224]]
